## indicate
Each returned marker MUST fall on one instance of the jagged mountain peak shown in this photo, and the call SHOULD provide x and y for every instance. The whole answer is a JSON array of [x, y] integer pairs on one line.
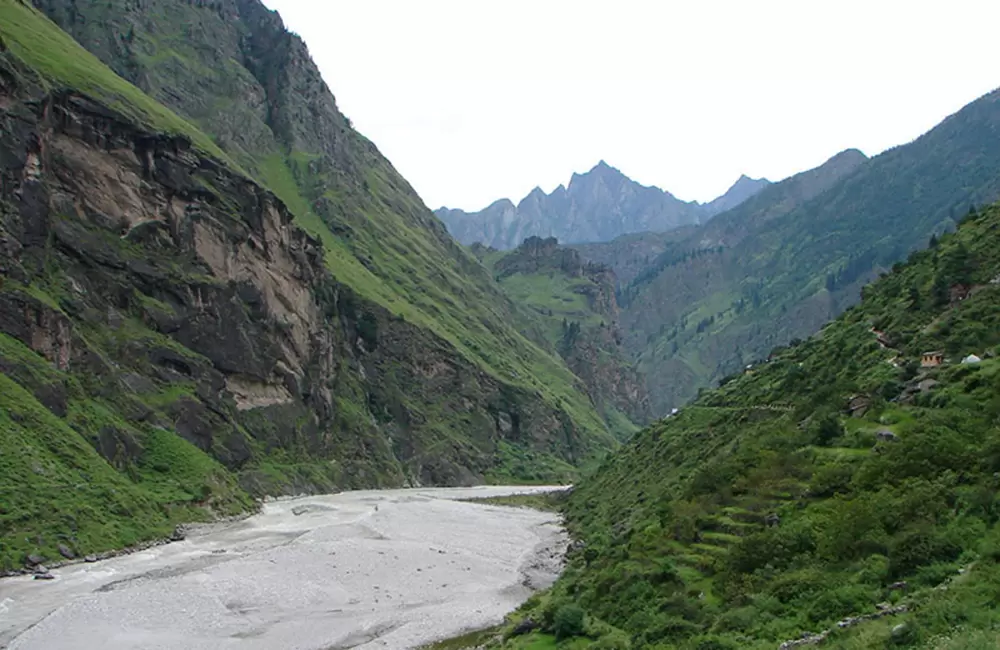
[[501, 204], [738, 192], [602, 171], [745, 180], [596, 206]]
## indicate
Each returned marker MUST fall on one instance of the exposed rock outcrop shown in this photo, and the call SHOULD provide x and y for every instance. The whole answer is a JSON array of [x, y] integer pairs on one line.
[[591, 341], [150, 269]]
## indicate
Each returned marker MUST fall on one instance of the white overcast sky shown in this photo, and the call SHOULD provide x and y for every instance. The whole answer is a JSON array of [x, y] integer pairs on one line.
[[478, 100]]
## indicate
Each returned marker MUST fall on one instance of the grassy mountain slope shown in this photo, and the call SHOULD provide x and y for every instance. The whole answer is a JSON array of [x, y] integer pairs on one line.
[[268, 108], [575, 305], [630, 255], [835, 476], [190, 345], [676, 305], [731, 295]]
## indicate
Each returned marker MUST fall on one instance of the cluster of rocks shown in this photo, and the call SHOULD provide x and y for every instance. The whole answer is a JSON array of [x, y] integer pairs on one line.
[[884, 609], [545, 564], [39, 566]]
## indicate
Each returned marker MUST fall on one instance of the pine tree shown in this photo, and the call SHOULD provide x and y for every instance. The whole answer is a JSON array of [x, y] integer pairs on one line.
[[941, 290]]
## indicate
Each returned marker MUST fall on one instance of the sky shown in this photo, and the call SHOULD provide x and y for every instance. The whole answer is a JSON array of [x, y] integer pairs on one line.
[[476, 100]]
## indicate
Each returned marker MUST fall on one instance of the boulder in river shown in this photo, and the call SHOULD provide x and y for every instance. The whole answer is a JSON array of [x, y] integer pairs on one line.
[[44, 576], [313, 507]]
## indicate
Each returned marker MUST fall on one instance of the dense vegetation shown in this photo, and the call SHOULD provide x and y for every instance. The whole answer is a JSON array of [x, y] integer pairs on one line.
[[837, 475]]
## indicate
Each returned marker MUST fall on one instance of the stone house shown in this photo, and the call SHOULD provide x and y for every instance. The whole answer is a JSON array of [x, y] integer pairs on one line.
[[931, 359]]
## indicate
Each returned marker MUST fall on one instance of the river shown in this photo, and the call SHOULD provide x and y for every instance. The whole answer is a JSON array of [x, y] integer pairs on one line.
[[378, 569]]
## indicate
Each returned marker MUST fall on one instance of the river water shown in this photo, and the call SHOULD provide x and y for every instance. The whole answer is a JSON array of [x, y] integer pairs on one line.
[[379, 569]]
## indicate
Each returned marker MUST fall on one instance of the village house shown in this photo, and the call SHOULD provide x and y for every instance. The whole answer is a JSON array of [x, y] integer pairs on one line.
[[931, 359]]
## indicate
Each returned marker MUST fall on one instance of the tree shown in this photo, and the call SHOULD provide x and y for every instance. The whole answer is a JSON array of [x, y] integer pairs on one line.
[[914, 296], [828, 429], [957, 265], [368, 330], [568, 622], [941, 290]]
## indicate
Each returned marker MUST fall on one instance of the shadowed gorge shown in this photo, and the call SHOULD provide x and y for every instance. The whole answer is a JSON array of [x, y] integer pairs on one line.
[[199, 337]]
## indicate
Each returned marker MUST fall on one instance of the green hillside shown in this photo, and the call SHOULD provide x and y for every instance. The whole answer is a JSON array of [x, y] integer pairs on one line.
[[837, 478], [47, 466], [795, 255], [182, 340], [574, 308], [380, 238]]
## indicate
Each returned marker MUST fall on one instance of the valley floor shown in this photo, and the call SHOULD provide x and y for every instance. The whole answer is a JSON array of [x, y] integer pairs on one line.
[[377, 569]]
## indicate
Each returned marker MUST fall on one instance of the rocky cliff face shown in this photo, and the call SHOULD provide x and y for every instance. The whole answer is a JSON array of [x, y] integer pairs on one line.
[[191, 300], [176, 297], [597, 206], [579, 302], [535, 255]]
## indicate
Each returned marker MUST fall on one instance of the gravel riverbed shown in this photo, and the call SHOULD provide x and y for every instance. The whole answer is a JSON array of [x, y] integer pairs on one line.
[[379, 569]]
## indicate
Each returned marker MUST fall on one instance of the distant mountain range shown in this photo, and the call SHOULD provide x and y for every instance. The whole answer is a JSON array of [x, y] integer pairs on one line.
[[701, 302], [597, 206]]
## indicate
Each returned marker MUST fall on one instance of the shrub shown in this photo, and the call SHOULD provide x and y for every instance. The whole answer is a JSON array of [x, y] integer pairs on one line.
[[904, 635], [918, 548], [836, 603], [616, 640], [368, 330], [934, 574], [831, 479], [990, 546], [568, 621], [737, 619], [874, 569], [826, 430], [712, 643]]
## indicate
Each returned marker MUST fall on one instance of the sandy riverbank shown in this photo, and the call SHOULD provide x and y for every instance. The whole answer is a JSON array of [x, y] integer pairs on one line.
[[380, 569]]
